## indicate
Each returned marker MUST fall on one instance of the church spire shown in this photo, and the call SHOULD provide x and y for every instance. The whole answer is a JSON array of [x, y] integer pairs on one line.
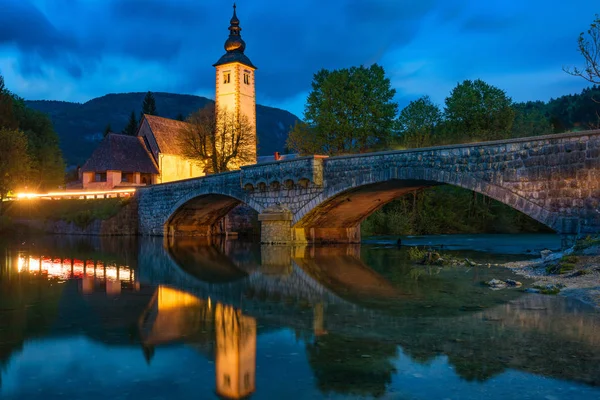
[[235, 42], [235, 45]]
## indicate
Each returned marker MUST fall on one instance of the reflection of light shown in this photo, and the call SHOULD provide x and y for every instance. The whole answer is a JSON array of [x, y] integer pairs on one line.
[[172, 298], [54, 268], [80, 193]]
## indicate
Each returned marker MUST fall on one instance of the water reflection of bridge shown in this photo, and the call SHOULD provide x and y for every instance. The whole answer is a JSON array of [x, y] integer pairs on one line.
[[320, 294]]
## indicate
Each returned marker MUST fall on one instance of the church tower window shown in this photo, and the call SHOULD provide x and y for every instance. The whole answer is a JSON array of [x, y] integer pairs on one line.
[[246, 78], [226, 77]]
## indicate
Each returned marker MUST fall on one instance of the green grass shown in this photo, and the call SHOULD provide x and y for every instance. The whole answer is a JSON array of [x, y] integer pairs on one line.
[[564, 265], [545, 290], [80, 212], [588, 241]]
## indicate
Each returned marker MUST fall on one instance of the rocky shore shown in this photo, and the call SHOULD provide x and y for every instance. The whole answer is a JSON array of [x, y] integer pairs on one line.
[[574, 272]]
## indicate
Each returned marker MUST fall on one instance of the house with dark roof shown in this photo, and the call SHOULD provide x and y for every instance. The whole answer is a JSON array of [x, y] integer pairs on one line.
[[119, 161], [153, 156]]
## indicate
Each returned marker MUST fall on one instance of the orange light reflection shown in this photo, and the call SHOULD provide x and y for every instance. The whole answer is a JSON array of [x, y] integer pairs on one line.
[[55, 269]]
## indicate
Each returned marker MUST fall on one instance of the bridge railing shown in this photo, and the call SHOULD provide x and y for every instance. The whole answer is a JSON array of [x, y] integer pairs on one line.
[[299, 171]]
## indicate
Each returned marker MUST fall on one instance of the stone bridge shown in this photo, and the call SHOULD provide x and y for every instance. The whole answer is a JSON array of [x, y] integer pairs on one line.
[[553, 179]]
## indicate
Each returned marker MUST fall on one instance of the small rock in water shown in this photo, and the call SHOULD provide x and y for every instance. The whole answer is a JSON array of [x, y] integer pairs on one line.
[[496, 284], [513, 283], [545, 254], [532, 290]]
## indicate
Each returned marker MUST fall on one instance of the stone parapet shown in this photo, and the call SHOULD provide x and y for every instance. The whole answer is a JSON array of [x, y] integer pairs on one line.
[[553, 179]]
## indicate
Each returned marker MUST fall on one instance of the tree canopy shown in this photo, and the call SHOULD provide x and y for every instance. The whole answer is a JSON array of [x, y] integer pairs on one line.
[[41, 155], [14, 161], [347, 111], [417, 122], [218, 141], [478, 111]]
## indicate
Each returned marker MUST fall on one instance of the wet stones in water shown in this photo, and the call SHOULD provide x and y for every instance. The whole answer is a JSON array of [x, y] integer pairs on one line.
[[545, 254], [546, 289], [498, 284]]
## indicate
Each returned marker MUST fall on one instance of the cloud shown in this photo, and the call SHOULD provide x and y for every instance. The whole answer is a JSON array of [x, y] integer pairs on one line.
[[99, 46]]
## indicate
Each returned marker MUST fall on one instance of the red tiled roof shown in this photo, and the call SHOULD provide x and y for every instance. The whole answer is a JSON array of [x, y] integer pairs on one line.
[[167, 133]]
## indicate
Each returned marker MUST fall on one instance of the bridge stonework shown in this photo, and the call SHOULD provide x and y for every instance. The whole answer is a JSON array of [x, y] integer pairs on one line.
[[553, 179]]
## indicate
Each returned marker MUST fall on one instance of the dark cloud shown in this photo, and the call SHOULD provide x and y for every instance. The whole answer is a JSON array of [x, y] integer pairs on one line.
[[24, 26], [122, 45]]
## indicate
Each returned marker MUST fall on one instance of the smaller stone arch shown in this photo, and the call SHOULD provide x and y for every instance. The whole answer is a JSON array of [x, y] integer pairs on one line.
[[262, 186], [274, 185], [288, 184], [249, 187], [304, 183]]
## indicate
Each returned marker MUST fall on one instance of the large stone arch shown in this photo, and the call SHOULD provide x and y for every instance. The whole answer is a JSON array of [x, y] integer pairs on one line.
[[336, 212], [198, 213]]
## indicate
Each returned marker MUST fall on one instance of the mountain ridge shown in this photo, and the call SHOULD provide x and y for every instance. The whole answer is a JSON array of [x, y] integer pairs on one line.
[[80, 126]]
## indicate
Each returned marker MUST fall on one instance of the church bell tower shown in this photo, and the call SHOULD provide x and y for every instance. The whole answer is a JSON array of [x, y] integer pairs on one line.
[[235, 91]]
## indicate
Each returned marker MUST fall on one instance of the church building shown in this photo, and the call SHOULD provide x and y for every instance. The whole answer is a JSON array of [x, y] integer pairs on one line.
[[155, 156]]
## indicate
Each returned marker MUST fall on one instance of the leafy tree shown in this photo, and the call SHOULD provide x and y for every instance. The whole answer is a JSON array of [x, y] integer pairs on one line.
[[417, 122], [14, 161], [304, 140], [348, 111], [7, 115], [478, 111], [132, 126], [589, 47], [149, 104], [107, 130], [47, 165], [531, 119], [218, 141]]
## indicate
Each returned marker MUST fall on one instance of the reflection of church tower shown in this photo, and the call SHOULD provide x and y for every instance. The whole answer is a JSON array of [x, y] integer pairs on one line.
[[235, 357], [235, 81]]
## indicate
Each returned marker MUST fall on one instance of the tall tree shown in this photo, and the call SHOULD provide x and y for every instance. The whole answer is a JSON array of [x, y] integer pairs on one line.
[[14, 161], [149, 104], [107, 130], [131, 127], [589, 47], [417, 122], [348, 111], [476, 110], [218, 142], [180, 117]]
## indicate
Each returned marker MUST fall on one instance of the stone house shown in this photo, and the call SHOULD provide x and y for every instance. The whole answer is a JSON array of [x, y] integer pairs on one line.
[[119, 161]]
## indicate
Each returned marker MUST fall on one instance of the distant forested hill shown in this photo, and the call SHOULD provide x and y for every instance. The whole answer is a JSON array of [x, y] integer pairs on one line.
[[81, 126]]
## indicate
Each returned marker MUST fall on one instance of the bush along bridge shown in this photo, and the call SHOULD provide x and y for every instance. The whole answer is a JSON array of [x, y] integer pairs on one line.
[[553, 179]]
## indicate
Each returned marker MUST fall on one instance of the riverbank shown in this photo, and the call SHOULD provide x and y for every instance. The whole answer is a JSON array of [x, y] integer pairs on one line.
[[97, 217], [576, 271]]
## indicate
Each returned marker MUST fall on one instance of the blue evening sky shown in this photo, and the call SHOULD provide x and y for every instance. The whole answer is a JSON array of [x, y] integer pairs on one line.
[[75, 50]]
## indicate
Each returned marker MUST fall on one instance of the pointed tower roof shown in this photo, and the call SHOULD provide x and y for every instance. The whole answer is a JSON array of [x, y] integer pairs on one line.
[[234, 45]]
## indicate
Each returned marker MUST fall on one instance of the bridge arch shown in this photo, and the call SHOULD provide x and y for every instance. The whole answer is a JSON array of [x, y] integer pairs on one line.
[[336, 212], [199, 213]]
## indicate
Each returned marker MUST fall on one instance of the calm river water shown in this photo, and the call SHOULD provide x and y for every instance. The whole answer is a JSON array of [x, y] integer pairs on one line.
[[92, 318]]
